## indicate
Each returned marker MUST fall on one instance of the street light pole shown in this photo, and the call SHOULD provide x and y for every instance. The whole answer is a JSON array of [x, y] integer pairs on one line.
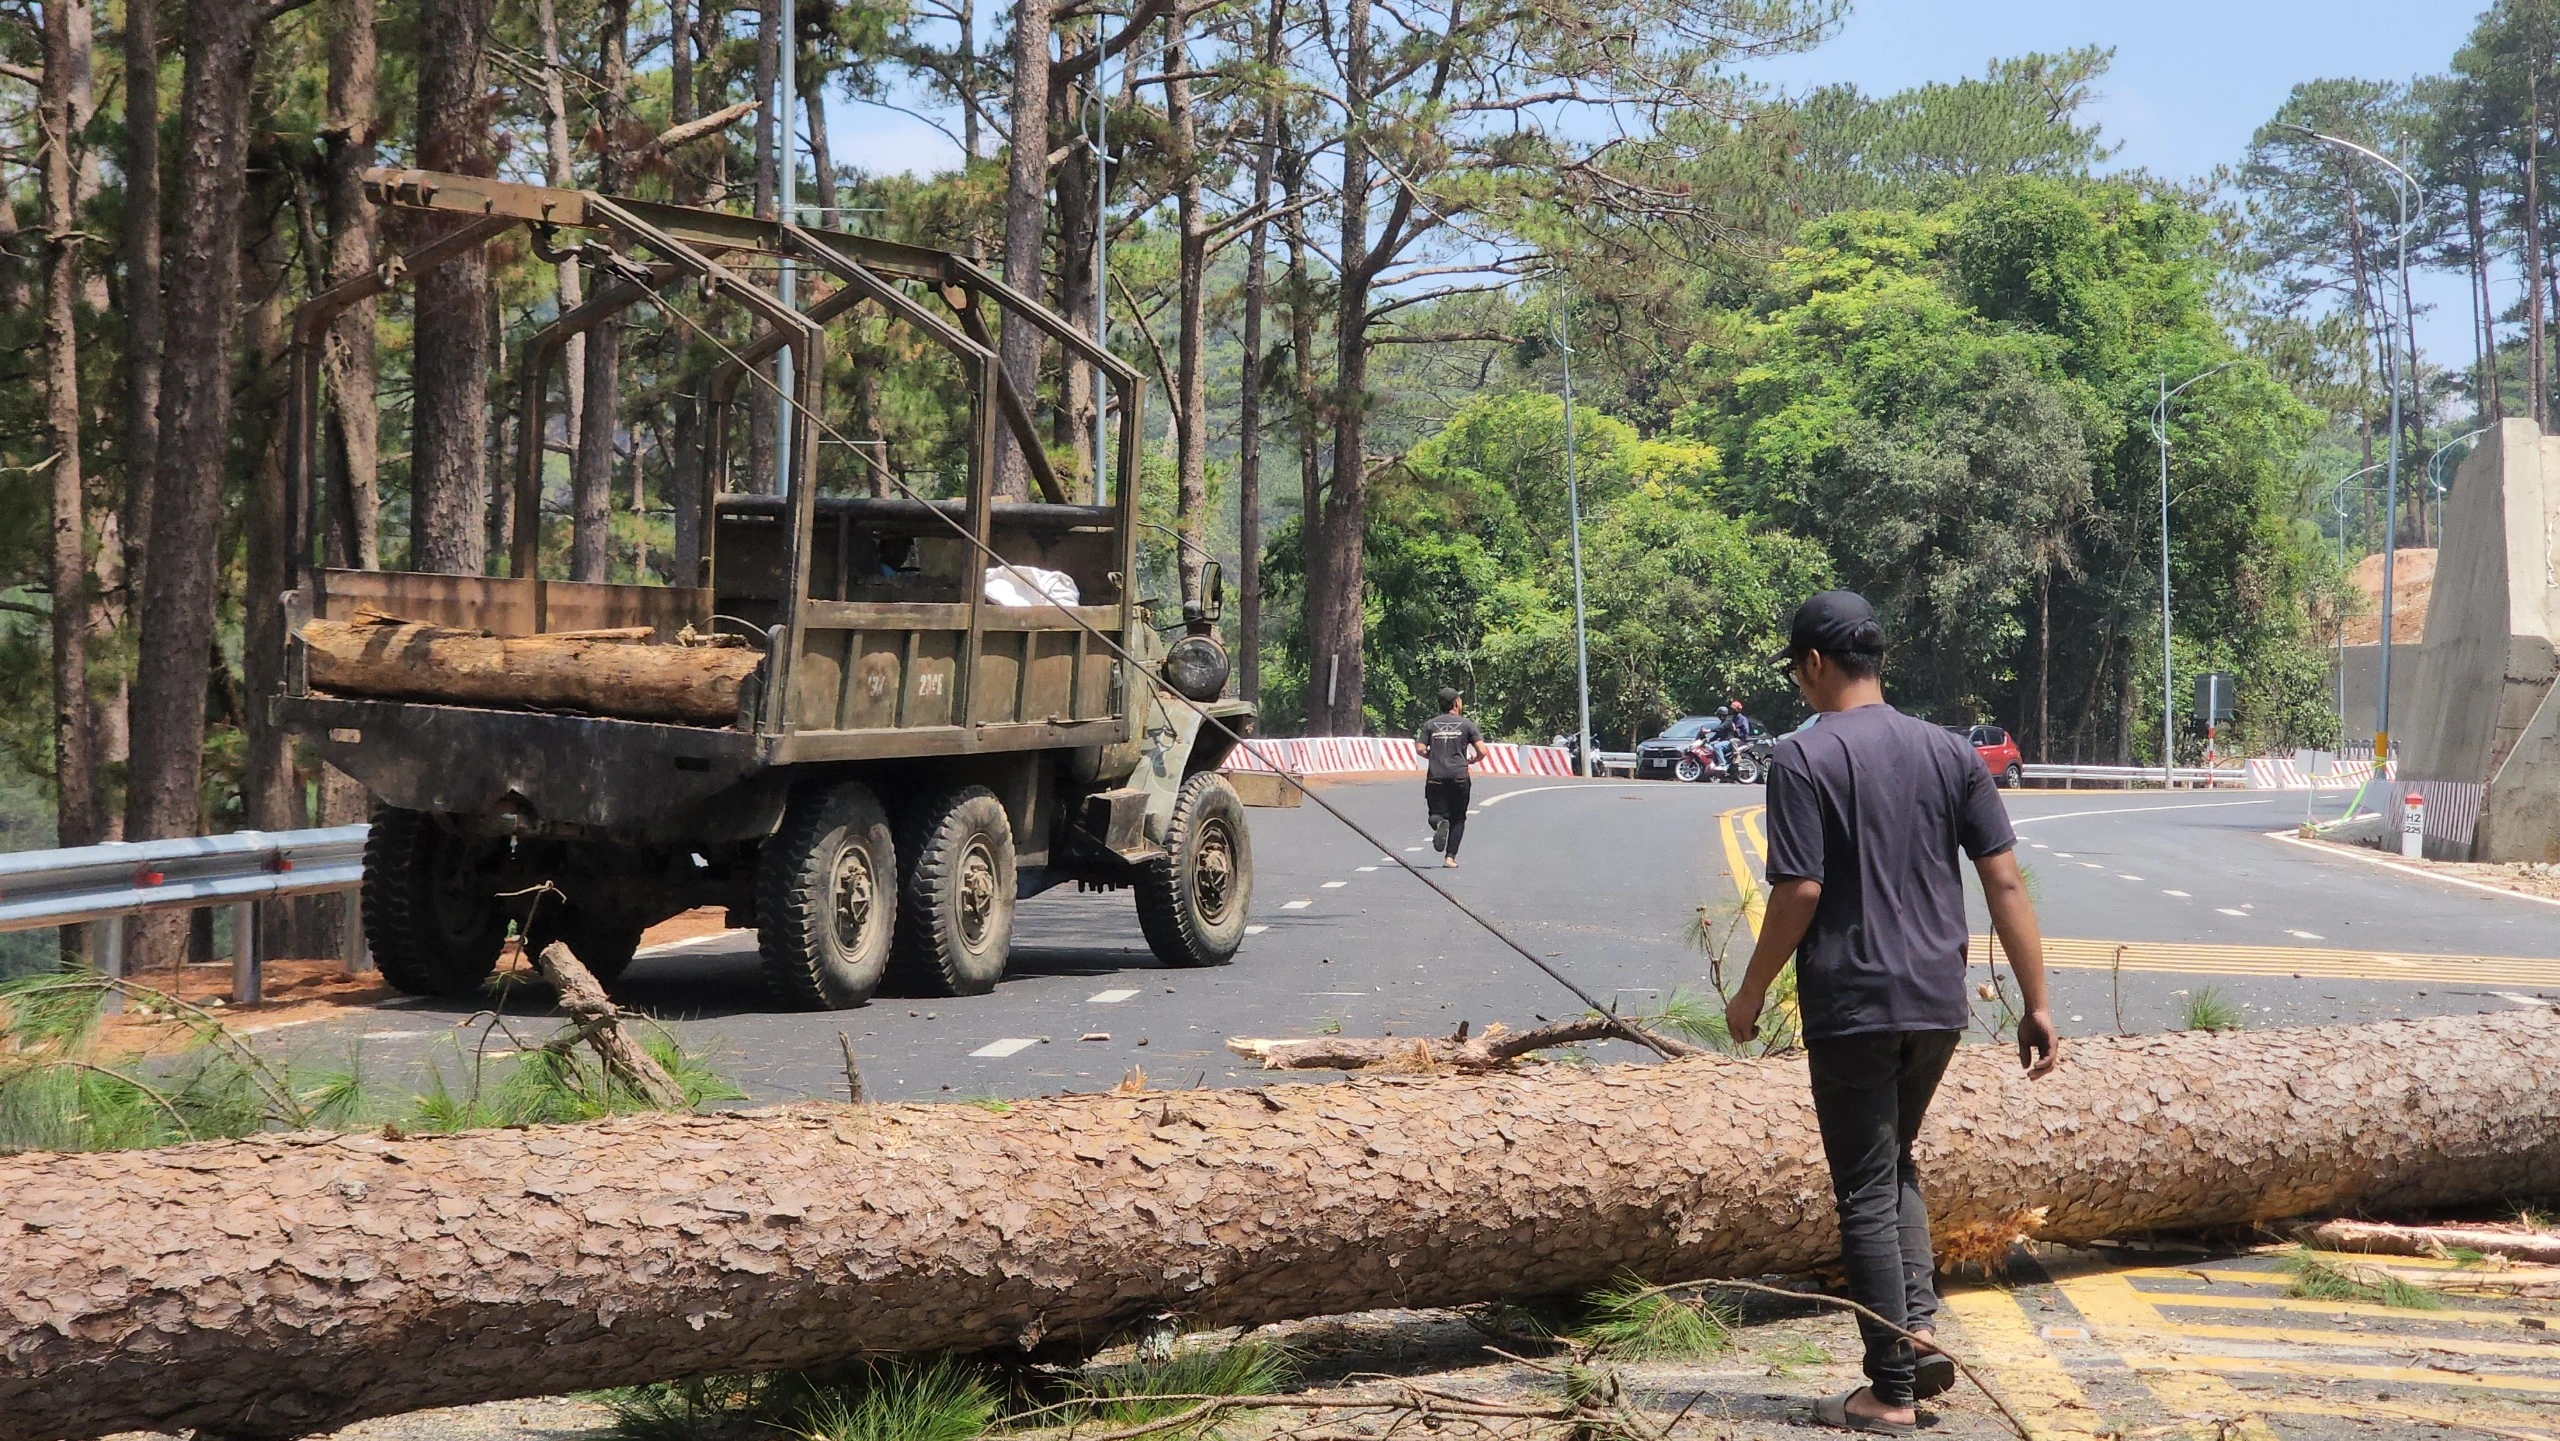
[[2403, 187], [2168, 690], [2338, 507], [1573, 512]]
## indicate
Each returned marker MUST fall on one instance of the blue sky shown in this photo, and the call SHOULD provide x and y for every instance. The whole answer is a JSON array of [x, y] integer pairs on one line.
[[2191, 79]]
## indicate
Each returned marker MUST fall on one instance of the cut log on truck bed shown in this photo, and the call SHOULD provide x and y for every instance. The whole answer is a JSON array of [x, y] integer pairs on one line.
[[607, 673], [281, 1285]]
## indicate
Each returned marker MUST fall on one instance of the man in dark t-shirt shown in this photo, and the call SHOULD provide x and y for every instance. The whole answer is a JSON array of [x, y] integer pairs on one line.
[[1448, 742], [1870, 813]]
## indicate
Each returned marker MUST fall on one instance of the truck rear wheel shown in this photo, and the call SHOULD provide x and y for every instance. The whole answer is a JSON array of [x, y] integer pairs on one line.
[[431, 911], [826, 899], [602, 944], [1192, 904], [955, 912]]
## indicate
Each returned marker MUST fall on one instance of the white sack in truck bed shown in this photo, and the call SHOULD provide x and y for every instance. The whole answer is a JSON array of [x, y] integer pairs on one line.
[[620, 673]]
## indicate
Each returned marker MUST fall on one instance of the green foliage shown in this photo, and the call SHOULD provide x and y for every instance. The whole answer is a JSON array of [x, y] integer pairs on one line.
[[1143, 1391], [2208, 1009], [59, 1091], [2317, 1280], [944, 1399], [1637, 1322]]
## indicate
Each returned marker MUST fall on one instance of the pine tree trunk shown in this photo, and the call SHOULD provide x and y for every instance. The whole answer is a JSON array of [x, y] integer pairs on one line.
[[558, 154], [202, 290], [143, 314], [1336, 618], [272, 795], [1026, 223], [350, 368], [65, 39], [1191, 278], [284, 1285], [448, 468], [591, 475], [1257, 299]]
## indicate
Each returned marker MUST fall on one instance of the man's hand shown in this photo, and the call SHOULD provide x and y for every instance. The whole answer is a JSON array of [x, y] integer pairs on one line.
[[2039, 1046], [1742, 1015]]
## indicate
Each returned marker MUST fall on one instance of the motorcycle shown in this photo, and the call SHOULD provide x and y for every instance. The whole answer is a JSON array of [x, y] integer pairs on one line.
[[1743, 763]]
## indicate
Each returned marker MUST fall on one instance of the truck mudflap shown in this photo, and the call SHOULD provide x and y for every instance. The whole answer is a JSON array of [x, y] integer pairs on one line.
[[524, 772]]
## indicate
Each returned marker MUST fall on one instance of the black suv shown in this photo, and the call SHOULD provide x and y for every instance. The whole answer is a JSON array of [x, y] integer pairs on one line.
[[1673, 755]]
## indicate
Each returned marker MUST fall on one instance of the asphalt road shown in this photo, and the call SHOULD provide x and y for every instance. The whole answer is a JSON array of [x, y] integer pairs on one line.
[[1606, 882]]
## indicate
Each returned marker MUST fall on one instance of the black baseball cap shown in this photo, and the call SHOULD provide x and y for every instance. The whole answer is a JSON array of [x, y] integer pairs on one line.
[[1834, 622]]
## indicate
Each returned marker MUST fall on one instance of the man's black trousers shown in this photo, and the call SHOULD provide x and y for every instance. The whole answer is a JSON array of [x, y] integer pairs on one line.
[[1869, 1094], [1447, 801]]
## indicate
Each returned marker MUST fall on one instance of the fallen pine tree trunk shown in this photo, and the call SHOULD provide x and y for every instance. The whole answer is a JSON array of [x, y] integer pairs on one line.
[[2439, 1242], [612, 673], [277, 1286]]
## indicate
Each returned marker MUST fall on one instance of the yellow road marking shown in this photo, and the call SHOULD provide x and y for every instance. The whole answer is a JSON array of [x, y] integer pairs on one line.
[[2002, 1343], [2502, 1420], [2358, 1309], [2363, 1340], [1745, 884], [2120, 1316], [2306, 962], [2348, 1371]]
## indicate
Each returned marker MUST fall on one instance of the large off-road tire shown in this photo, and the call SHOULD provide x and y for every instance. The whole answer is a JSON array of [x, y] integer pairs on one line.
[[603, 944], [955, 901], [1192, 904], [827, 899], [432, 916]]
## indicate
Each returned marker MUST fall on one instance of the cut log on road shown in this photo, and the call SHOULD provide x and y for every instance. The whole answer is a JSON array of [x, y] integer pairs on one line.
[[276, 1286], [2375, 1238], [1498, 1046], [609, 673]]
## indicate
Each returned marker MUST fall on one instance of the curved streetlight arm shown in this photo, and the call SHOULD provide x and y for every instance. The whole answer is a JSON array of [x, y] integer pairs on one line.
[[2433, 479], [2160, 408], [2405, 183]]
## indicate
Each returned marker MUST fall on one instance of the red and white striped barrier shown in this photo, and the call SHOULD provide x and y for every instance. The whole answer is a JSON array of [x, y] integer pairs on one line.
[[1342, 755], [2284, 774]]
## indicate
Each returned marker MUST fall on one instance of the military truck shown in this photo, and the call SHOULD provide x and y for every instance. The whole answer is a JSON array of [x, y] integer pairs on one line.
[[864, 724]]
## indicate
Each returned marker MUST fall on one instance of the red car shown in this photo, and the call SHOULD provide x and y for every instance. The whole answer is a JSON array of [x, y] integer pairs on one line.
[[1999, 751]]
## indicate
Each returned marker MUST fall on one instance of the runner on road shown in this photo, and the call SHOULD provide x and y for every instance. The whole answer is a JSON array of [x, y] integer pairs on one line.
[[1450, 741], [1869, 815]]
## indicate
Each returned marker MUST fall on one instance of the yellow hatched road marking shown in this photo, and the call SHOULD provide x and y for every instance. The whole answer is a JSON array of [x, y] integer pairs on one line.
[[2363, 1340], [2350, 1371], [2493, 1419], [2002, 1343], [1745, 884], [2492, 1283], [2123, 1320], [2361, 1310], [2306, 962]]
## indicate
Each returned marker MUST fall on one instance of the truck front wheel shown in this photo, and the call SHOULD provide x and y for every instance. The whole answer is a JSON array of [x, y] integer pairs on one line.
[[431, 911], [955, 914], [1192, 903], [826, 899]]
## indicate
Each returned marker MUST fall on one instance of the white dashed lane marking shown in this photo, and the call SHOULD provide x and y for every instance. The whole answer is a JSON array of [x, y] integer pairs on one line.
[[2181, 895], [2123, 877], [1295, 905], [1255, 930], [2305, 935], [998, 1050], [1335, 885], [1108, 998], [2226, 910], [1364, 868]]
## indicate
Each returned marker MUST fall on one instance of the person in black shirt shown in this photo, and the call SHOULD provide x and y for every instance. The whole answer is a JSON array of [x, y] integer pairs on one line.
[[1869, 813], [1449, 741]]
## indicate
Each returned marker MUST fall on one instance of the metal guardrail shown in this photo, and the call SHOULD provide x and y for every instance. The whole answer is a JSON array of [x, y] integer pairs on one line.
[[2128, 776], [107, 883]]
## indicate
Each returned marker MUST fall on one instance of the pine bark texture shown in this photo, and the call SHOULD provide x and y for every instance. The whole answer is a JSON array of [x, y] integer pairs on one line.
[[448, 466], [66, 60], [349, 366], [287, 1284], [610, 673], [201, 290]]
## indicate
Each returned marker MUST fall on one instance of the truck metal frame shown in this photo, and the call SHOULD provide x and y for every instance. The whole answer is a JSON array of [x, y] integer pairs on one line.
[[906, 684]]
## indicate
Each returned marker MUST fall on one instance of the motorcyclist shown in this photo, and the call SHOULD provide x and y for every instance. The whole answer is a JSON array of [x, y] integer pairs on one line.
[[1739, 729]]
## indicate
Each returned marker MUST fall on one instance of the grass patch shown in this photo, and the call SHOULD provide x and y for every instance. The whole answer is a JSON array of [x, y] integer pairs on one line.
[[1787, 1356], [939, 1400], [2208, 1009], [1139, 1392], [2317, 1280], [1632, 1320], [60, 1090]]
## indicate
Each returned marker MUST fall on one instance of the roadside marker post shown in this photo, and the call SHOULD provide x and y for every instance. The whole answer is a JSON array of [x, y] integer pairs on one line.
[[2413, 827]]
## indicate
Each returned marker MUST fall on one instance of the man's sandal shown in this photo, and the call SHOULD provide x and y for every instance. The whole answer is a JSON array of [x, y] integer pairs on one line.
[[1934, 1376], [1834, 1411]]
